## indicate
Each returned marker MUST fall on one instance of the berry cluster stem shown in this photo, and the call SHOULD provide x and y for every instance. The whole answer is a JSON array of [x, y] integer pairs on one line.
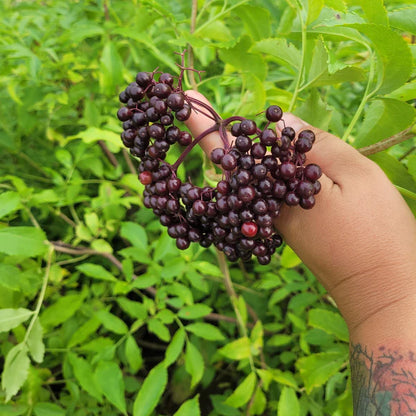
[[193, 144]]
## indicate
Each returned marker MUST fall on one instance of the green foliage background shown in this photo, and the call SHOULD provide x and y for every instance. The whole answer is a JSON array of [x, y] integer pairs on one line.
[[101, 314]]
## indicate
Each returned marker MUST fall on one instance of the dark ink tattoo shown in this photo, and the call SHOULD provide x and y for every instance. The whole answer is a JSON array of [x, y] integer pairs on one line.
[[383, 381]]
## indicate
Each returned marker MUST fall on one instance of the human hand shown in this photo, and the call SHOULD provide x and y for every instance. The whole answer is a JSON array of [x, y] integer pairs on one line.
[[360, 238]]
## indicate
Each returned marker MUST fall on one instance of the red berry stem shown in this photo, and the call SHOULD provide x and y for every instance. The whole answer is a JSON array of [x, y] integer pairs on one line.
[[192, 145]]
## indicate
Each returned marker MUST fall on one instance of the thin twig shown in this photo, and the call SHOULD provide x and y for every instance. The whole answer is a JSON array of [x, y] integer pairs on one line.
[[386, 143], [194, 12], [129, 162], [107, 152]]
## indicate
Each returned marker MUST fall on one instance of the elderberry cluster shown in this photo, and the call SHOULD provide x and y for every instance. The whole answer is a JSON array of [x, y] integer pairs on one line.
[[262, 170]]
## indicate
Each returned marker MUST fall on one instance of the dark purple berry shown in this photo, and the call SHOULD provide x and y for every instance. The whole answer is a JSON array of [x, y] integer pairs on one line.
[[274, 113]]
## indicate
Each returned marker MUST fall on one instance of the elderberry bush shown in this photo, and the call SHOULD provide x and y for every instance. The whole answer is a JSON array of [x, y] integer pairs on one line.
[[261, 169]]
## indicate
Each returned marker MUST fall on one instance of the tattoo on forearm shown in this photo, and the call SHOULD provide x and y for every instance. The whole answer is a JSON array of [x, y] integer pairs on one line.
[[383, 381]]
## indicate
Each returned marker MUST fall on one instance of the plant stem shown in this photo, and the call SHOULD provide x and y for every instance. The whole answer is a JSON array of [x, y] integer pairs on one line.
[[41, 294], [386, 143], [192, 145], [366, 97], [302, 61], [194, 13], [234, 298]]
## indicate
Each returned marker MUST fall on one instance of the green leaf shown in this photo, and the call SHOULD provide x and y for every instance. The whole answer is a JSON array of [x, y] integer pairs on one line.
[[384, 118], [279, 339], [194, 363], [109, 378], [61, 310], [134, 308], [111, 69], [280, 50], [13, 409], [406, 92], [206, 268], [11, 318], [244, 61], [194, 311], [242, 394], [330, 322], [22, 241], [314, 10], [175, 347], [404, 19], [135, 233], [205, 331], [256, 20], [83, 372], [84, 331], [397, 173], [159, 329], [289, 258], [189, 408], [151, 391], [16, 367], [394, 57], [133, 355], [48, 409], [96, 271], [93, 134], [35, 342], [237, 350], [288, 403], [112, 322], [316, 112], [316, 369], [9, 202], [373, 9]]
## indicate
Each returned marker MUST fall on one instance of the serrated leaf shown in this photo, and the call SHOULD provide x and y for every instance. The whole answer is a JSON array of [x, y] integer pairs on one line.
[[83, 372], [242, 394], [237, 350], [207, 268], [194, 311], [175, 347], [205, 331], [383, 118], [288, 403], [35, 342], [394, 57], [194, 363], [111, 322], [374, 10], [151, 391], [22, 241], [16, 367], [96, 271], [11, 318], [109, 378], [316, 369], [135, 233], [9, 202], [159, 329], [189, 408], [133, 354], [280, 50], [330, 322]]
